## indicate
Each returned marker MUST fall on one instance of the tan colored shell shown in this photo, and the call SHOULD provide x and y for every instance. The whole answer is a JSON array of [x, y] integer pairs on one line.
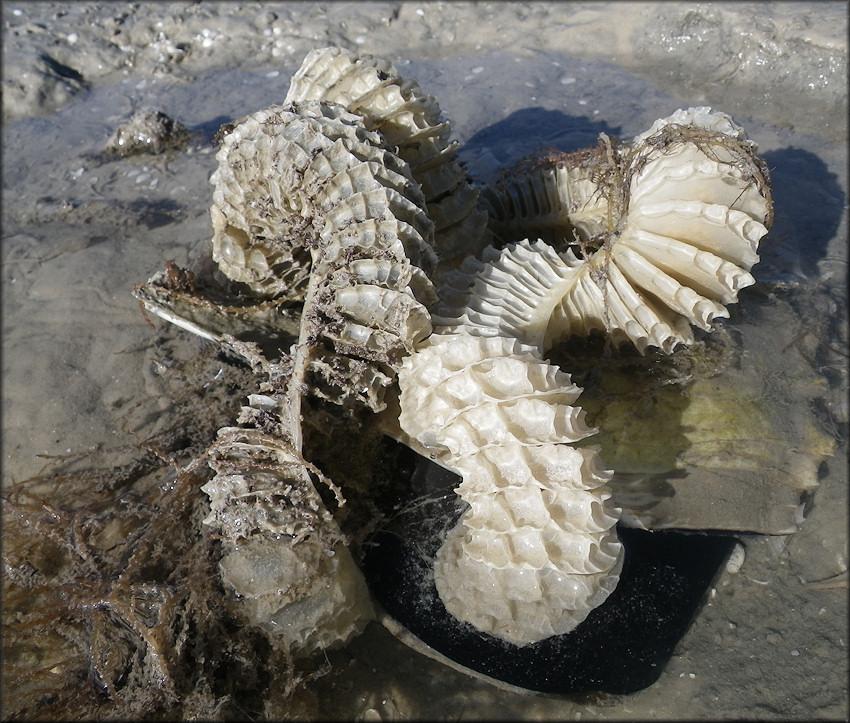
[[410, 123], [537, 549], [288, 174], [666, 239], [309, 178]]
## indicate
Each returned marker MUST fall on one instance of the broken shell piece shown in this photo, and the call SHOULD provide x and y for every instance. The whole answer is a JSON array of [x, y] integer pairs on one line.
[[261, 485], [310, 595], [286, 558], [662, 232], [538, 549], [736, 559], [410, 123]]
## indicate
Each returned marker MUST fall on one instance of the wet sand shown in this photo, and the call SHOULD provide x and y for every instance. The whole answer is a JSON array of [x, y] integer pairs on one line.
[[80, 229]]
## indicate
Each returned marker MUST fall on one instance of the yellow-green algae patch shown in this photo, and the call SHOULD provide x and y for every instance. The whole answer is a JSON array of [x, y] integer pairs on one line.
[[700, 441]]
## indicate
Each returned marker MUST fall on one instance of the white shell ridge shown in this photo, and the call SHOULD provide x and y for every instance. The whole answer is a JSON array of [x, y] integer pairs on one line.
[[410, 122], [538, 549], [663, 232]]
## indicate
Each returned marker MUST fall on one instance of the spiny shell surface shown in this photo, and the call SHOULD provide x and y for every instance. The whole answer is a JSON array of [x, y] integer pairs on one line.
[[410, 122], [537, 550], [661, 234]]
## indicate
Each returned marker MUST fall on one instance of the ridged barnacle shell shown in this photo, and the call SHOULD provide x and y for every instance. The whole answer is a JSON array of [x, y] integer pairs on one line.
[[660, 234], [410, 122], [537, 550]]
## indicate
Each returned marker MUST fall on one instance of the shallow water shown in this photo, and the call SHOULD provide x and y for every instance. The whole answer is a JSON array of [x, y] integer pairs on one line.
[[80, 229]]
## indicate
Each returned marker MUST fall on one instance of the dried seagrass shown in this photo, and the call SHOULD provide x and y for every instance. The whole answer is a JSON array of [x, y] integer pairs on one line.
[[659, 234], [410, 122]]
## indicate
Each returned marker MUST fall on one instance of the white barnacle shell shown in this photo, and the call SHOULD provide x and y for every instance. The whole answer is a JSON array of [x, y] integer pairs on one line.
[[537, 550], [662, 234], [410, 123]]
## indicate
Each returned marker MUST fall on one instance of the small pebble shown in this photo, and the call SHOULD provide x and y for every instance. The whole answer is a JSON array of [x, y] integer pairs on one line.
[[148, 131]]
